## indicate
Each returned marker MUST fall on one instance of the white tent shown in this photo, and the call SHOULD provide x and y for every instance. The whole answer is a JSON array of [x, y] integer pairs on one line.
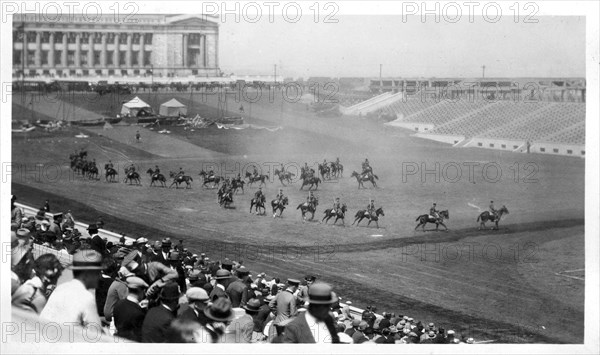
[[172, 108], [134, 106]]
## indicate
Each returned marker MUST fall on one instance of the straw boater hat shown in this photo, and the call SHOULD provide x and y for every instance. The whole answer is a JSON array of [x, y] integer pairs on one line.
[[222, 274], [252, 306], [87, 259]]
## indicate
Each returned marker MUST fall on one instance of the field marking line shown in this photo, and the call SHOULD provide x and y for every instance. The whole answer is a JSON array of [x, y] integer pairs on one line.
[[573, 270], [569, 276]]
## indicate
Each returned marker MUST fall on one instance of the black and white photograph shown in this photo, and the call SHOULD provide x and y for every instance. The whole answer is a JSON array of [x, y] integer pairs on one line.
[[243, 177]]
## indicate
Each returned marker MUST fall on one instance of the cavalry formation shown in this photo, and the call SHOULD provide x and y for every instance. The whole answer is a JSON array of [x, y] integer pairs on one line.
[[229, 187]]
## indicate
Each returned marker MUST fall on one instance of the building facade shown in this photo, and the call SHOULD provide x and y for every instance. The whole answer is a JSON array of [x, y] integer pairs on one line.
[[157, 45]]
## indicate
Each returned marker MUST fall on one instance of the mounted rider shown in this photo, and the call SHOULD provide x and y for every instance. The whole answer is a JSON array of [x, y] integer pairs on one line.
[[255, 172], [433, 211], [311, 199], [238, 178], [180, 173], [156, 170], [279, 195], [371, 208], [93, 163], [493, 210], [259, 196], [211, 174], [337, 206], [109, 165], [130, 169], [367, 169]]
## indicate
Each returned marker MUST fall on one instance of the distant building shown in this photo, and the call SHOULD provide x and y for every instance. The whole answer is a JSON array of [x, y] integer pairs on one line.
[[157, 45]]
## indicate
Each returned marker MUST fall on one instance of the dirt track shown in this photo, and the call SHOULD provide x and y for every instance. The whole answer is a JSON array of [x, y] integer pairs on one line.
[[507, 300]]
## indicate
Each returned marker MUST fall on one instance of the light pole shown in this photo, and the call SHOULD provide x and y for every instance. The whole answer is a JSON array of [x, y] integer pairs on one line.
[[483, 73]]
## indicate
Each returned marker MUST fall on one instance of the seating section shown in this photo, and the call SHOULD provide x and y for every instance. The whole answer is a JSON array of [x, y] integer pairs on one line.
[[572, 135], [406, 108], [490, 117], [445, 111], [545, 123]]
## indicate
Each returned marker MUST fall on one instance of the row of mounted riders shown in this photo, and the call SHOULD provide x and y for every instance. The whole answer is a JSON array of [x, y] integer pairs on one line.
[[328, 171], [229, 187]]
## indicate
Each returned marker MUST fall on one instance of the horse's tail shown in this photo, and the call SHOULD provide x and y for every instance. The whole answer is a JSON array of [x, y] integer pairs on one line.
[[357, 214], [418, 218], [300, 205], [376, 177], [191, 179], [478, 218]]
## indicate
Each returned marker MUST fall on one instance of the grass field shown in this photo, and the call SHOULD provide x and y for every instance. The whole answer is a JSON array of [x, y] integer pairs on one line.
[[506, 285]]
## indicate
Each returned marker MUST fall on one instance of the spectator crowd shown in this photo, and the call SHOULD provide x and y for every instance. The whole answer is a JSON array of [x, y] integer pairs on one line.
[[157, 292]]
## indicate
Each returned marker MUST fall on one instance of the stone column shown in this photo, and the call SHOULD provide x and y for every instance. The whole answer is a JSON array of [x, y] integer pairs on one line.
[[141, 51], [38, 49], [203, 51], [65, 45], [91, 50], [103, 52], [116, 51], [129, 50], [78, 50], [185, 50], [51, 51], [25, 44]]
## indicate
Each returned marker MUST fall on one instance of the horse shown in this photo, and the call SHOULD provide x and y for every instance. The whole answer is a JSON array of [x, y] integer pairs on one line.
[[337, 169], [237, 184], [361, 178], [487, 216], [426, 218], [110, 173], [92, 172], [133, 176], [362, 214], [180, 179], [330, 212], [313, 181], [252, 179], [284, 176], [156, 177], [308, 207], [324, 171], [258, 203], [279, 205], [207, 179]]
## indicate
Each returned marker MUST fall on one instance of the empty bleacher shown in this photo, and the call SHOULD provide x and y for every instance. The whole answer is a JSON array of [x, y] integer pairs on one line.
[[544, 124], [490, 117], [405, 108], [445, 111]]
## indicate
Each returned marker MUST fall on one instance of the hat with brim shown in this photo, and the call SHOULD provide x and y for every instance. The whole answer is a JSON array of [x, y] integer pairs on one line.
[[23, 233], [321, 293], [293, 282], [220, 310], [253, 305], [170, 291], [222, 274], [87, 259], [92, 227]]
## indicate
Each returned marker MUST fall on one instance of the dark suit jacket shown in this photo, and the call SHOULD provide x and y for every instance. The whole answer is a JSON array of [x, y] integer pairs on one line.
[[156, 324], [129, 318], [216, 293], [237, 292], [190, 314], [298, 331]]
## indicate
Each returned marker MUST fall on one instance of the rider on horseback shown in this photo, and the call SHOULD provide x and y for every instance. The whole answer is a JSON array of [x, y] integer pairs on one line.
[[255, 172], [337, 206], [371, 208], [367, 170], [131, 168], [280, 195], [180, 173], [493, 210], [93, 163], [311, 199], [110, 165], [433, 211], [259, 196]]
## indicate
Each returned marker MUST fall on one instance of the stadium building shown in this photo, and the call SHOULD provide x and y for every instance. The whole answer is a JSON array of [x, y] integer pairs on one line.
[[145, 45]]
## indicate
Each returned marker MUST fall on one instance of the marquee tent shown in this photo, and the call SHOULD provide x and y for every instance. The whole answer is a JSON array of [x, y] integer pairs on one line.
[[134, 106], [172, 108]]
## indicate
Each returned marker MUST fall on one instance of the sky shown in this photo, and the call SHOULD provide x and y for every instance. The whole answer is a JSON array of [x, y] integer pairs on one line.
[[358, 44]]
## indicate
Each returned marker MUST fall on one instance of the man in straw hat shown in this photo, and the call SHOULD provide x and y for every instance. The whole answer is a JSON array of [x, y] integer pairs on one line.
[[157, 321], [129, 314], [71, 302], [198, 301], [222, 277], [317, 324]]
